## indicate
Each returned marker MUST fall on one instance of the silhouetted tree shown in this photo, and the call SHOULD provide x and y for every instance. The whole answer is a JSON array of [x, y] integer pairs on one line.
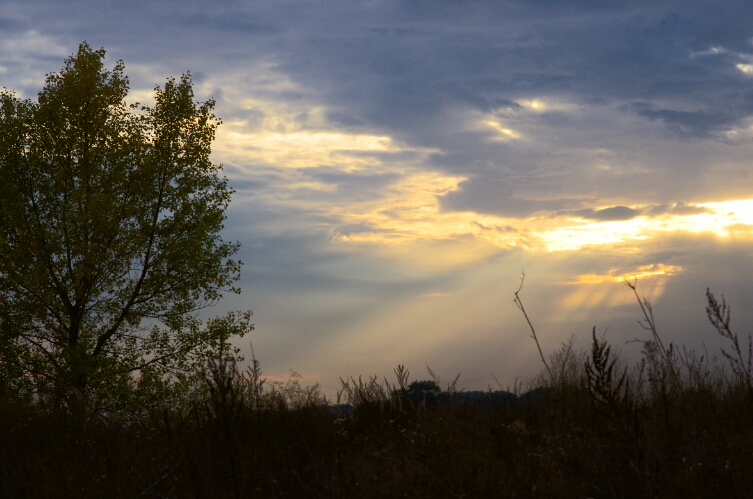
[[110, 217]]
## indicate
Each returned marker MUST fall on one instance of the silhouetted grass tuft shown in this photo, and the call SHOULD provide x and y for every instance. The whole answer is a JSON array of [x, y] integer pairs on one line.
[[676, 424]]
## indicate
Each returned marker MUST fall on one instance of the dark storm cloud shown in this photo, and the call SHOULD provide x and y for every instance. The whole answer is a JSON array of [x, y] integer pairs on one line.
[[617, 213], [8, 25], [627, 74], [408, 73], [608, 214], [397, 63], [474, 53], [687, 123], [493, 194]]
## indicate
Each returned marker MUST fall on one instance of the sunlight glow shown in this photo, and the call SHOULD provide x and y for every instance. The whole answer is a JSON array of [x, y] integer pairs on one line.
[[415, 215], [288, 141], [609, 293], [307, 148], [407, 211], [723, 219], [291, 134], [505, 133], [571, 237], [656, 269], [535, 104]]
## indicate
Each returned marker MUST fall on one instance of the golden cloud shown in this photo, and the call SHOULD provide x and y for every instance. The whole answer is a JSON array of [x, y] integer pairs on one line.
[[614, 275], [407, 209]]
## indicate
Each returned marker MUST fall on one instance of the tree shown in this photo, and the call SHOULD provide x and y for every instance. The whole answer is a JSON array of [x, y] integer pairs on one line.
[[424, 386], [110, 217]]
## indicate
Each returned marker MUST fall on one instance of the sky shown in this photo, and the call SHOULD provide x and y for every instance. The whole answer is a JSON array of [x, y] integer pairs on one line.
[[398, 165]]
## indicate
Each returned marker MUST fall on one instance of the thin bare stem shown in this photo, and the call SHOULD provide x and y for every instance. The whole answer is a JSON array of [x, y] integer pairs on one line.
[[519, 303], [650, 325]]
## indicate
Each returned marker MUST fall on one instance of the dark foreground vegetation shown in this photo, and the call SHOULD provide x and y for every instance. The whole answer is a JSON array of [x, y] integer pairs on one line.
[[110, 220], [674, 425]]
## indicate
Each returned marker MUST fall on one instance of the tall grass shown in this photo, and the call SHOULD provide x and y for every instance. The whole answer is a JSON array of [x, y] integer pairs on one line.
[[675, 424]]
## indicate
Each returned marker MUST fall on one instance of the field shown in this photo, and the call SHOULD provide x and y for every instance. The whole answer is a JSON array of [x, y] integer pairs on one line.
[[674, 425]]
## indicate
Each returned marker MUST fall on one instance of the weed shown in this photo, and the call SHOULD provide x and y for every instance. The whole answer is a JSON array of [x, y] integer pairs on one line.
[[676, 424]]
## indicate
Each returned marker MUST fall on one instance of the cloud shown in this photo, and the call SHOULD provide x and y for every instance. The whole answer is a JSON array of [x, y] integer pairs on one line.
[[621, 275], [679, 208], [686, 123], [640, 71], [385, 151], [608, 214]]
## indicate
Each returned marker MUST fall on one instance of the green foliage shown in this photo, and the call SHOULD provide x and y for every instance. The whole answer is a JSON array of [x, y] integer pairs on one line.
[[110, 215]]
